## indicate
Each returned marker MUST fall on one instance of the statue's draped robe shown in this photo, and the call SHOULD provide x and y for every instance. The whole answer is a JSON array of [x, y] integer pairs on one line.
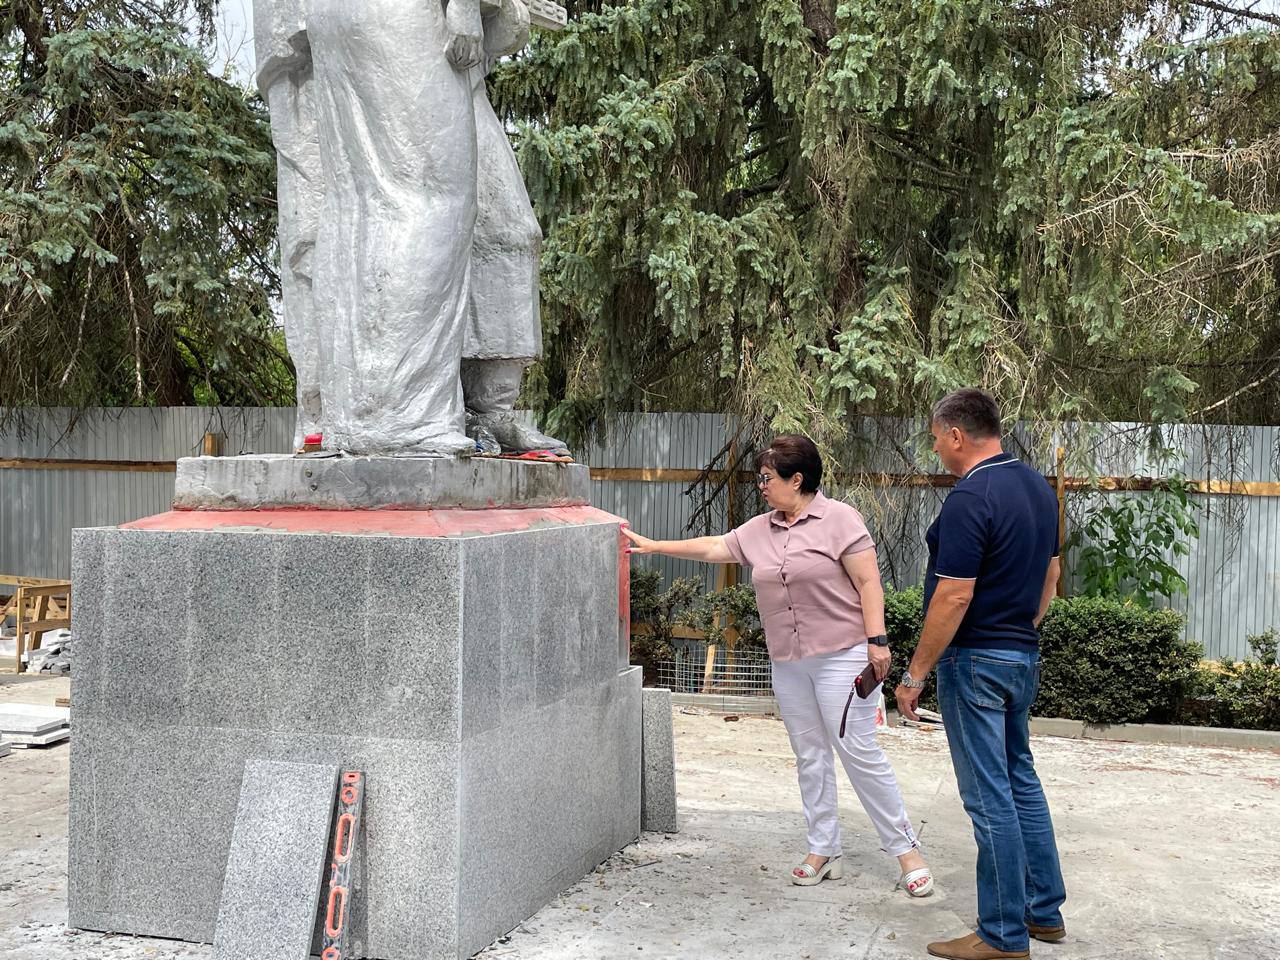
[[398, 150], [285, 79], [394, 167]]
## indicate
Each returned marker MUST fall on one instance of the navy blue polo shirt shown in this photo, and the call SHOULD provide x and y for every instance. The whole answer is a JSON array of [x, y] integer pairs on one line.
[[999, 528]]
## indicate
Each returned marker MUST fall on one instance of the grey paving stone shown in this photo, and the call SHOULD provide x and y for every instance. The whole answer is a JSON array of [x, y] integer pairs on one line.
[[271, 889], [31, 720], [658, 788]]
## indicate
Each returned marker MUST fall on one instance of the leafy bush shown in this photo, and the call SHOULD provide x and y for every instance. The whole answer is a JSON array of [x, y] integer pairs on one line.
[[1127, 544], [1244, 695], [661, 611], [1108, 661], [1102, 661], [737, 605], [903, 620]]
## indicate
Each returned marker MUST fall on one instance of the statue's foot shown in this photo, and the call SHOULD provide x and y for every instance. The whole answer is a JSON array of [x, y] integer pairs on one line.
[[486, 444], [516, 437]]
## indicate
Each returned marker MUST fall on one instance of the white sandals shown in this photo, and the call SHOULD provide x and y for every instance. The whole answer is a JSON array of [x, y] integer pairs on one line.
[[917, 883], [807, 875]]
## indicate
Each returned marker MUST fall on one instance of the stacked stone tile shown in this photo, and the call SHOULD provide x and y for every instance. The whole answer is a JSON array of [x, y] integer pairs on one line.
[[27, 725]]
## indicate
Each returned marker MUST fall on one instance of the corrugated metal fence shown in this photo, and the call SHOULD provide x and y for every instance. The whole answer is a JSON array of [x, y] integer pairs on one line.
[[1233, 571]]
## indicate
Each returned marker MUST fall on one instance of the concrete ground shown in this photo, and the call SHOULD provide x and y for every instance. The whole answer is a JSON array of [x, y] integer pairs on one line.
[[1170, 853]]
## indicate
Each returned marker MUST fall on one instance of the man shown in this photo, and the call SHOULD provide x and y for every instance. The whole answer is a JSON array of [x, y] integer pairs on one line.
[[993, 565]]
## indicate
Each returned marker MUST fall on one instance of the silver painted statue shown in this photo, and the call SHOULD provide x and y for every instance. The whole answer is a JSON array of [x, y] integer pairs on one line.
[[409, 249]]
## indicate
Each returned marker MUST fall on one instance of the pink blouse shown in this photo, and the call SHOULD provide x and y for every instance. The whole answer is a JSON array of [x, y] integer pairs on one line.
[[807, 602]]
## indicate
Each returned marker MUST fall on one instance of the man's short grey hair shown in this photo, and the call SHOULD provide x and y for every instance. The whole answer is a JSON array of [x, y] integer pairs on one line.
[[972, 410]]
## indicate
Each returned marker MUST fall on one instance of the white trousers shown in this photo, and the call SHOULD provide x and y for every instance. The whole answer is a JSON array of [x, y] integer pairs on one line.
[[811, 695]]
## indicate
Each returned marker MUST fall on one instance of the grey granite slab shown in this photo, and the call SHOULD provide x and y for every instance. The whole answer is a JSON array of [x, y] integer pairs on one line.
[[87, 587], [658, 787], [271, 889], [31, 720], [23, 740], [455, 672], [364, 483], [540, 817]]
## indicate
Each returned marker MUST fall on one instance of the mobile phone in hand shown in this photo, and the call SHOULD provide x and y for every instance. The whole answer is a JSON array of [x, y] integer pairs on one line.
[[865, 683]]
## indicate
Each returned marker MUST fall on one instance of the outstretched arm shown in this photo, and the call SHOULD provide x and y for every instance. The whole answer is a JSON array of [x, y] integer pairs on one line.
[[708, 549]]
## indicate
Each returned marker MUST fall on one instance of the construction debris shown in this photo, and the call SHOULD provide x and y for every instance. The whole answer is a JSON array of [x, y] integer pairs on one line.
[[54, 655]]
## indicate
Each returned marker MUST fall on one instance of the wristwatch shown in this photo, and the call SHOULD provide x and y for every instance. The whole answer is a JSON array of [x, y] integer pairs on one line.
[[879, 640], [911, 682]]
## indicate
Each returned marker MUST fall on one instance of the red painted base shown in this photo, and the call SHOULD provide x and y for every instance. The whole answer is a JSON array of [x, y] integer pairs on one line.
[[395, 523]]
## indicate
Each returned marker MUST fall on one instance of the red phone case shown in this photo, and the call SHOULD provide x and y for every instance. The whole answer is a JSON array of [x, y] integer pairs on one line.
[[866, 682]]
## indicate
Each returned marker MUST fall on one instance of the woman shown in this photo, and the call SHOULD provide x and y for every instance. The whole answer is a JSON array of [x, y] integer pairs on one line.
[[818, 591]]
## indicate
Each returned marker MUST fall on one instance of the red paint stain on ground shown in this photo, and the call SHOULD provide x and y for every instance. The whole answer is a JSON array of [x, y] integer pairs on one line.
[[396, 523]]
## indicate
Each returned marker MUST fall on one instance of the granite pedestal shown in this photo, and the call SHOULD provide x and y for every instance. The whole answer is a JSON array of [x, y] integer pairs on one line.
[[470, 662]]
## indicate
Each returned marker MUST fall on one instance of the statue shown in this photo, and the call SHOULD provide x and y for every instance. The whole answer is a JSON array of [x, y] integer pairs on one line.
[[409, 251]]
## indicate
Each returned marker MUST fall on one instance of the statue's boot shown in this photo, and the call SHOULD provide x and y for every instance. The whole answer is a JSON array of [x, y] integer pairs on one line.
[[490, 388], [487, 444]]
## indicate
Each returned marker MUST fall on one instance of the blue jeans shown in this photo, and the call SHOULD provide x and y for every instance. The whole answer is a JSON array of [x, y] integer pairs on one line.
[[985, 697]]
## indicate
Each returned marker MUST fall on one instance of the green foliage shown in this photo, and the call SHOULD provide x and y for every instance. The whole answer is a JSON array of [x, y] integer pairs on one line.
[[137, 214], [1244, 695], [1128, 543], [714, 612], [1106, 661], [903, 621], [1102, 660], [806, 211], [660, 611]]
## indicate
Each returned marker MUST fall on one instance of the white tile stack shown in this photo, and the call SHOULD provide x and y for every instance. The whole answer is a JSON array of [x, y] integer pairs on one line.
[[25, 725]]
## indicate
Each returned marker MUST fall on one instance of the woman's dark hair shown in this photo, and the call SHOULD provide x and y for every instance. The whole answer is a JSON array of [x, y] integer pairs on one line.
[[791, 454]]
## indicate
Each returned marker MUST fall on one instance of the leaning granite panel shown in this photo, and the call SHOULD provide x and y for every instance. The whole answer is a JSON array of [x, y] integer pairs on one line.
[[271, 890]]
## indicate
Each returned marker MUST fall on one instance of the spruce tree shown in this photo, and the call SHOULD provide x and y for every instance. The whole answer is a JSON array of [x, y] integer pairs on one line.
[[802, 211], [137, 213]]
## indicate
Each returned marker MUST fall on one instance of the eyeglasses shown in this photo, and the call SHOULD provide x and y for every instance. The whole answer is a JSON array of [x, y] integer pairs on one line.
[[762, 479]]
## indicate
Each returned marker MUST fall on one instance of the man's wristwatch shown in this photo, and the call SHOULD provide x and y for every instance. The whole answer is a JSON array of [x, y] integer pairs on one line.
[[911, 682], [879, 640]]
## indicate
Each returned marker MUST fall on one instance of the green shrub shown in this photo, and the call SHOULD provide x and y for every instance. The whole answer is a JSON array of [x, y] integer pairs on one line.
[[1102, 660], [661, 611], [903, 620], [1243, 695], [737, 605], [1127, 544], [1109, 661]]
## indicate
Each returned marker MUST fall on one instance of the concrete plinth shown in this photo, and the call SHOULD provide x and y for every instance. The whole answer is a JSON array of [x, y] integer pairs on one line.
[[470, 662], [375, 483]]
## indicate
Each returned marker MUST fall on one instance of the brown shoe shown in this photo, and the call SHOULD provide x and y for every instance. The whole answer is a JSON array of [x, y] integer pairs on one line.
[[1047, 934], [973, 947]]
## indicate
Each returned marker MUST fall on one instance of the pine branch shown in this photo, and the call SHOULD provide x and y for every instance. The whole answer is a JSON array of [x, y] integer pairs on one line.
[[1244, 14]]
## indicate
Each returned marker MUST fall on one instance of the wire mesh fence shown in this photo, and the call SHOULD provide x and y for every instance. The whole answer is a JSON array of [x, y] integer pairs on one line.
[[745, 673]]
